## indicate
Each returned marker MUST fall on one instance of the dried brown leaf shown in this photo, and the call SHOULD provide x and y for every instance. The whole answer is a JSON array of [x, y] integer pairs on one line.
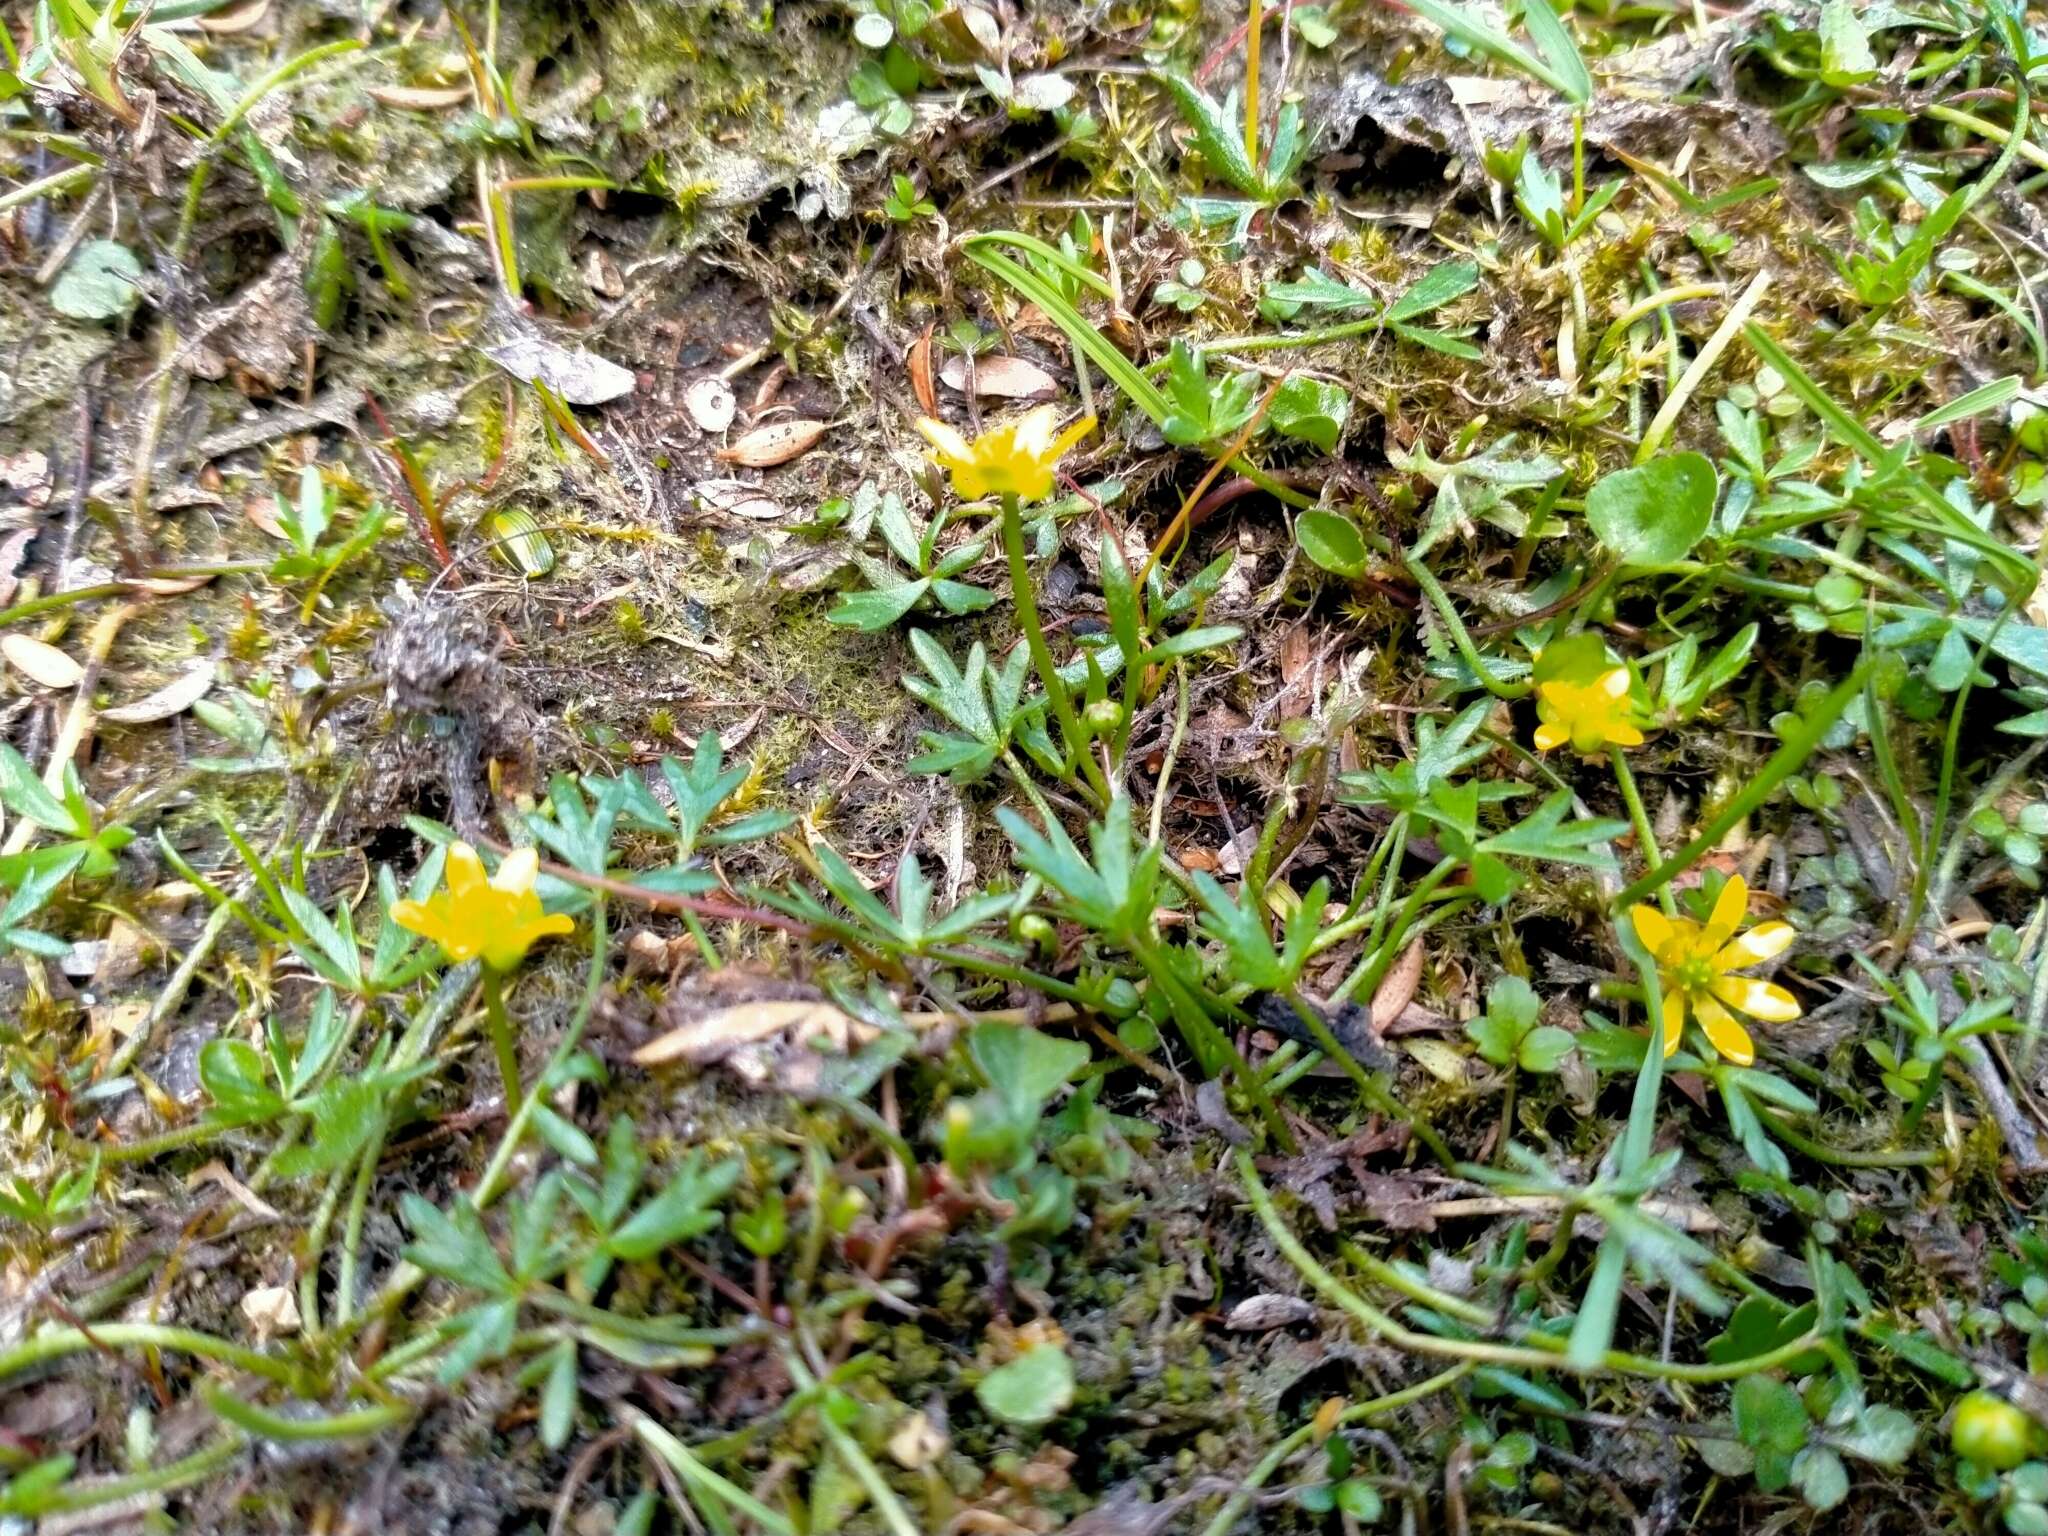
[[712, 1036], [420, 98], [1396, 988], [41, 663], [739, 498], [921, 372], [1005, 378], [175, 697], [233, 20], [777, 443], [1267, 1311]]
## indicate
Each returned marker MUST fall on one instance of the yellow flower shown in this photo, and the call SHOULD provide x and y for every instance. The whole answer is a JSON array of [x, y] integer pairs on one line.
[[1589, 715], [1015, 459], [1693, 965], [498, 918]]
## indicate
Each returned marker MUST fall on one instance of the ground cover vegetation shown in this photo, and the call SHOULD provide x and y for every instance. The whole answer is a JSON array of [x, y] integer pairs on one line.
[[903, 766]]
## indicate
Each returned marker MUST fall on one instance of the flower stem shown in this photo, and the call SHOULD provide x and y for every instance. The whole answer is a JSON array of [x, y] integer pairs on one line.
[[1024, 596], [1234, 1508], [1646, 836], [501, 1037]]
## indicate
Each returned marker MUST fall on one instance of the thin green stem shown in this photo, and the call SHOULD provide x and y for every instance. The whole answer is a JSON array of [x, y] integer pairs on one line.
[[1025, 597], [98, 1492], [1542, 1356], [702, 1479], [1440, 600], [503, 1042], [1639, 818], [1806, 1146], [849, 1451], [1801, 743], [352, 1227], [297, 1431], [1234, 1507], [1370, 1088], [56, 1343]]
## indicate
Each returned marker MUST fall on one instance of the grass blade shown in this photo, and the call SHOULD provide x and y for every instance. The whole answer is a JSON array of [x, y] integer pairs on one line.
[[1568, 77]]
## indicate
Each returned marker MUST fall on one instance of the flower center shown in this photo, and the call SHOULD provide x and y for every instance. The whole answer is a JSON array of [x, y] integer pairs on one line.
[[1695, 974]]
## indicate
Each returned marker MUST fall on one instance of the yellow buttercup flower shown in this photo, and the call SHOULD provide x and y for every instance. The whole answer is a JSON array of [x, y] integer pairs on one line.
[[1589, 715], [1015, 459], [498, 918], [1693, 965]]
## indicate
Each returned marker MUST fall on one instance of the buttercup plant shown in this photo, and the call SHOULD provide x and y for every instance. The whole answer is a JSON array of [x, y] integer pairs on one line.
[[496, 919]]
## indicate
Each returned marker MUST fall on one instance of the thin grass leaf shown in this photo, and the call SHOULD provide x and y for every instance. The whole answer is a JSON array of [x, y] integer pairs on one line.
[[1563, 68], [1985, 397]]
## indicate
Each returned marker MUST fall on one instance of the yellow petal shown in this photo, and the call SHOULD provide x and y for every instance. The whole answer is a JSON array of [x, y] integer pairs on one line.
[[464, 871], [951, 446], [1613, 684], [1759, 999], [1550, 734], [1652, 927], [414, 917], [1724, 1034], [971, 481], [1623, 734], [518, 872], [1674, 1021], [1766, 941], [1730, 907], [1060, 445], [1031, 436]]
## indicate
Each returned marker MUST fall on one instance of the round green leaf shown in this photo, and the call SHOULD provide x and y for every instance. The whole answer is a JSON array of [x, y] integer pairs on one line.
[[1332, 541], [1823, 1480], [100, 283], [1031, 1389], [1655, 513]]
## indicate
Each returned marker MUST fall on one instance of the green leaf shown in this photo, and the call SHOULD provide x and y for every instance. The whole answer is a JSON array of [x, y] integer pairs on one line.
[[877, 609], [1879, 1434], [1032, 1389], [231, 1071], [1217, 136], [959, 597], [1545, 835], [1203, 410], [1189, 641], [1437, 341], [101, 282], [764, 1230], [23, 792], [1311, 410], [1360, 1500], [1654, 513], [1821, 1478], [1768, 1415], [1437, 287], [1561, 68], [346, 1114], [1544, 1048], [1314, 25], [1845, 56], [453, 1244], [558, 1396], [686, 1207], [344, 959], [1332, 541], [1317, 289], [1919, 1350], [1024, 1066]]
